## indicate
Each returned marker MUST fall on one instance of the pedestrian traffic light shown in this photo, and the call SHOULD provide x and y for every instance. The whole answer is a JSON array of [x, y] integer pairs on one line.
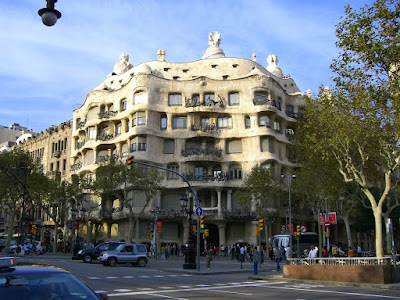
[[202, 221], [206, 232], [260, 224], [194, 229], [298, 229], [129, 162]]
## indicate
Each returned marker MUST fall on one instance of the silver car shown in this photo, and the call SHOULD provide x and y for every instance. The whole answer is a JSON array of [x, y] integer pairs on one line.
[[136, 254]]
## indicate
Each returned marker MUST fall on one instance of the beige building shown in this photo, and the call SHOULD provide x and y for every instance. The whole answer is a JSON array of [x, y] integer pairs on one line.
[[211, 120]]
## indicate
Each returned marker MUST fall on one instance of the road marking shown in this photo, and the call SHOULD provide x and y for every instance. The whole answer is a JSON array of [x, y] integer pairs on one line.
[[166, 287], [127, 276], [232, 292], [144, 276], [184, 286], [186, 275], [169, 297], [111, 277], [122, 290], [202, 285], [159, 276], [172, 275], [144, 289], [94, 278]]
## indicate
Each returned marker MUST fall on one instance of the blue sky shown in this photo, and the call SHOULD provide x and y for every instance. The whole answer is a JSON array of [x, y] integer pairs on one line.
[[46, 72]]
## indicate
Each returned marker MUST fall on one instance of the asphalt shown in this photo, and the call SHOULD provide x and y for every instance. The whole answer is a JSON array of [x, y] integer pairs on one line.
[[225, 265]]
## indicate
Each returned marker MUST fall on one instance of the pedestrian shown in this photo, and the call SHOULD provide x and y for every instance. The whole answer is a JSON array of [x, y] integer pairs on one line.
[[351, 252], [208, 258], [313, 252], [256, 259], [334, 251], [359, 251], [325, 252], [277, 255], [242, 253]]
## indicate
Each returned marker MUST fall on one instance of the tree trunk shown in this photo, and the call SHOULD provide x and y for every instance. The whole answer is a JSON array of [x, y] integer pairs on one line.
[[348, 231], [10, 224], [55, 237], [378, 231], [130, 228]]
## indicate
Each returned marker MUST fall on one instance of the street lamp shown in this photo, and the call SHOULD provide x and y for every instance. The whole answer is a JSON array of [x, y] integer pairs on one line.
[[187, 209], [49, 15], [77, 214], [289, 182]]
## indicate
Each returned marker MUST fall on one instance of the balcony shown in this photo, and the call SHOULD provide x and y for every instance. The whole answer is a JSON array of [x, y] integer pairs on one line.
[[104, 136], [205, 128], [79, 144], [200, 154], [57, 154], [238, 214], [107, 114], [76, 166], [207, 178], [80, 124], [208, 102]]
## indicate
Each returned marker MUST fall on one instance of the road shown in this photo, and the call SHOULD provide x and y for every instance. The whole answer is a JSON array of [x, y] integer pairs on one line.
[[165, 280]]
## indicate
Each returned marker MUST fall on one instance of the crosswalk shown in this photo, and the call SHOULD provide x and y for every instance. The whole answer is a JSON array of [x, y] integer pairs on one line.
[[138, 276]]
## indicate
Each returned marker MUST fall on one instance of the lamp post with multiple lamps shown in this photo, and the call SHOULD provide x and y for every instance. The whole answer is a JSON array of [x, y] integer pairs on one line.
[[49, 14], [289, 183], [187, 209], [77, 214]]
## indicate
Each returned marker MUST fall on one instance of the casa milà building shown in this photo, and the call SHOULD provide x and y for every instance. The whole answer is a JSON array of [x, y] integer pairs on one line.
[[211, 120]]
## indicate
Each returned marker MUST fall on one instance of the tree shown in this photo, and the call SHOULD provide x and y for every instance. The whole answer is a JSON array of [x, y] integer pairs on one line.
[[115, 181], [357, 122], [258, 194], [21, 179]]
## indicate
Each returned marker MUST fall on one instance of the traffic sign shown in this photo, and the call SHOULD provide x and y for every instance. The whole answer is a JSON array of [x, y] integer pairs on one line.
[[159, 226], [303, 229], [199, 211]]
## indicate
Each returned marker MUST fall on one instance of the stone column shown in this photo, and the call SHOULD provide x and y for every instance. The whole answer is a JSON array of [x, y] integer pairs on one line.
[[222, 236], [229, 199], [137, 230], [219, 191]]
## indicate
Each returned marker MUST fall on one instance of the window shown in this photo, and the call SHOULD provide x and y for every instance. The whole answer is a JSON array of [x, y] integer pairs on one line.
[[175, 100], [173, 176], [196, 99], [199, 172], [235, 172], [119, 129], [163, 122], [169, 146], [234, 146], [267, 145], [92, 133], [234, 99], [262, 96], [205, 121], [139, 119], [123, 104], [263, 121], [179, 123], [225, 122], [289, 111], [247, 122], [277, 126], [209, 97], [138, 144], [278, 103], [140, 98]]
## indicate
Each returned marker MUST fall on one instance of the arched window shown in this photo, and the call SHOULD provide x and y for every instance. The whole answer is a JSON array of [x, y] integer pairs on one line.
[[235, 172]]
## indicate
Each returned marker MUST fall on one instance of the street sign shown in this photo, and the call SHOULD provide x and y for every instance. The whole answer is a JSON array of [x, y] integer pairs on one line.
[[199, 211], [159, 226], [332, 217], [303, 229]]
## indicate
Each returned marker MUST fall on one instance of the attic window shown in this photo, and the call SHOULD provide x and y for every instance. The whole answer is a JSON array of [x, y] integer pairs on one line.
[[120, 81], [175, 77], [234, 65], [185, 70], [214, 66], [112, 82], [166, 69], [225, 77]]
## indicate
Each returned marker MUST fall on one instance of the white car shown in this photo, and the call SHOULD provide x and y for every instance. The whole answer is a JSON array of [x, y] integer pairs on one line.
[[38, 248]]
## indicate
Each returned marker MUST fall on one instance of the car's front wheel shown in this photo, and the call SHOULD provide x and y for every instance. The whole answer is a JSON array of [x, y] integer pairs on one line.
[[87, 259], [141, 262], [112, 262]]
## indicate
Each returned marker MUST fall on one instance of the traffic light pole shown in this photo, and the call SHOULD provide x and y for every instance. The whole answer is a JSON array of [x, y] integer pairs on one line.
[[195, 198]]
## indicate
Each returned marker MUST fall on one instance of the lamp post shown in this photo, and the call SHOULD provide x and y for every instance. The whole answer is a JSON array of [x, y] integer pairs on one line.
[[187, 208], [49, 14], [77, 214], [289, 182]]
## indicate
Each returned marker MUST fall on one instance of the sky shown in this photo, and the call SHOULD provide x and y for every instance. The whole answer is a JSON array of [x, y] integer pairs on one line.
[[46, 72]]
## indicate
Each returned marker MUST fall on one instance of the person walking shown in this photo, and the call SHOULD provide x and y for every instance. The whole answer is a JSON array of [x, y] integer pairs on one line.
[[256, 259], [277, 255], [208, 258]]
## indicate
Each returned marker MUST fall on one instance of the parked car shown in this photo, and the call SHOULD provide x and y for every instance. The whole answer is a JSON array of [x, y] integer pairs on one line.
[[90, 254], [40, 282], [37, 245], [136, 254]]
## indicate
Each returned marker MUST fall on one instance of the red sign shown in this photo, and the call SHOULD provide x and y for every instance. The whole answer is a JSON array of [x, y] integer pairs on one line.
[[332, 218], [329, 218], [159, 226]]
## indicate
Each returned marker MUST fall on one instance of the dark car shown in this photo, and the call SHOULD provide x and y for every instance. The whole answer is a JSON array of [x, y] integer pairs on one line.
[[41, 282], [87, 255]]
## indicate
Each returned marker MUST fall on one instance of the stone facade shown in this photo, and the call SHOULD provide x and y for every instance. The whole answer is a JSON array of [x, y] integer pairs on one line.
[[211, 120]]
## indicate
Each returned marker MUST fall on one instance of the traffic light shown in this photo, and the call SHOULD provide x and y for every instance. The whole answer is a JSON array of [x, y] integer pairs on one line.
[[260, 224], [327, 233], [129, 162], [151, 236], [298, 229], [34, 229], [202, 221], [206, 232], [194, 229]]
